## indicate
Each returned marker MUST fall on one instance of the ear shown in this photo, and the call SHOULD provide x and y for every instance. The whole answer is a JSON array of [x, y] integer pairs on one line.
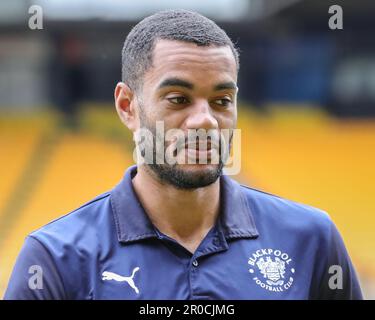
[[125, 106]]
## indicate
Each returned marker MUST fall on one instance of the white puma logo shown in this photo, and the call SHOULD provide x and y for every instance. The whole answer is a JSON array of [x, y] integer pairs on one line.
[[106, 275]]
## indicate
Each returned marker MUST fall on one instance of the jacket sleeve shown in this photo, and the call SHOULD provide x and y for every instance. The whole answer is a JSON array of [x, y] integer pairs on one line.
[[34, 276], [339, 280]]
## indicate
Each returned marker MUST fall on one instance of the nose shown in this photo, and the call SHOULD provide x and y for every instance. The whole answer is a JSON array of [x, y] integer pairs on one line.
[[201, 117]]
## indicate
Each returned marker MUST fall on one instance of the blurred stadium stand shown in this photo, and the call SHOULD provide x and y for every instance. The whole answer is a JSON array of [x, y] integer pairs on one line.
[[307, 98]]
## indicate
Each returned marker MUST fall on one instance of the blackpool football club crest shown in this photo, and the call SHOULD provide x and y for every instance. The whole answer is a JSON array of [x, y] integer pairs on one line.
[[272, 269]]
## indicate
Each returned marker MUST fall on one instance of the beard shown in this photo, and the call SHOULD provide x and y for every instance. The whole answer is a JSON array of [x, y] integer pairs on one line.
[[180, 176], [186, 179]]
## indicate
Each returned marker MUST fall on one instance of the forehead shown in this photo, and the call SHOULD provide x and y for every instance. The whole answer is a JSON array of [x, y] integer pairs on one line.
[[174, 58]]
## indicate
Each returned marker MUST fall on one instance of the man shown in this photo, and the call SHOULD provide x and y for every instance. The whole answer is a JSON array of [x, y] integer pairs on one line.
[[182, 230]]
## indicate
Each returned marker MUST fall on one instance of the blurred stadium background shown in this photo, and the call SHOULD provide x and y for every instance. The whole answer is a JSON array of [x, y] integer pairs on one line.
[[306, 99]]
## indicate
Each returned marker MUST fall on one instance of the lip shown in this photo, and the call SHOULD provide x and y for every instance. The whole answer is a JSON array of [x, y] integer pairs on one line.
[[201, 151], [208, 146], [199, 154], [202, 156]]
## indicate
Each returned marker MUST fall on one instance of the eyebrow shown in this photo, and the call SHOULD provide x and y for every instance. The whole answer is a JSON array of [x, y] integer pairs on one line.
[[176, 82], [225, 86]]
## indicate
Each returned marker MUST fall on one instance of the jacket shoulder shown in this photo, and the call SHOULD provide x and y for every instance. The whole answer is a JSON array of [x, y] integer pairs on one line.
[[77, 223], [284, 212]]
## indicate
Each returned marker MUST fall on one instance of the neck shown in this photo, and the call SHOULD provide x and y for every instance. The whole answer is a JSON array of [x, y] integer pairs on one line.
[[184, 215]]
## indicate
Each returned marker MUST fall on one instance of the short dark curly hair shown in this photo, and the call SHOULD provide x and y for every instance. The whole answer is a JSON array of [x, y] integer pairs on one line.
[[181, 25]]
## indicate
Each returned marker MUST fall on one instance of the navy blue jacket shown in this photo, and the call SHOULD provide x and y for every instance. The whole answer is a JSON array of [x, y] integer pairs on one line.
[[261, 247]]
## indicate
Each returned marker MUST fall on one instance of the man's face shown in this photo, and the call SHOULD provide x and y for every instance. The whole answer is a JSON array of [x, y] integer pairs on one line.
[[189, 87]]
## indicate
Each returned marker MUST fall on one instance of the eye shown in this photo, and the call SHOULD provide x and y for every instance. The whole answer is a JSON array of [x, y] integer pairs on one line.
[[178, 100], [223, 102]]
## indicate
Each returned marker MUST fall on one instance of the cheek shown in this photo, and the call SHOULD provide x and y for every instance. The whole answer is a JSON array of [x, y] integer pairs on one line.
[[227, 120], [160, 117], [155, 109], [147, 112]]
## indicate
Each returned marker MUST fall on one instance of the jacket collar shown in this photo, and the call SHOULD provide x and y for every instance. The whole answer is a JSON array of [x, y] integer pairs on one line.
[[132, 223]]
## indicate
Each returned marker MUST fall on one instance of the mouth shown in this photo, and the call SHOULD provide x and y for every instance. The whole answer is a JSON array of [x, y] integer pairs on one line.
[[198, 154], [201, 151], [199, 146]]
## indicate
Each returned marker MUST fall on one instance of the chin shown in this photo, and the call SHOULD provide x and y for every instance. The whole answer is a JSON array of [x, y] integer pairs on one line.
[[188, 176], [207, 167]]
